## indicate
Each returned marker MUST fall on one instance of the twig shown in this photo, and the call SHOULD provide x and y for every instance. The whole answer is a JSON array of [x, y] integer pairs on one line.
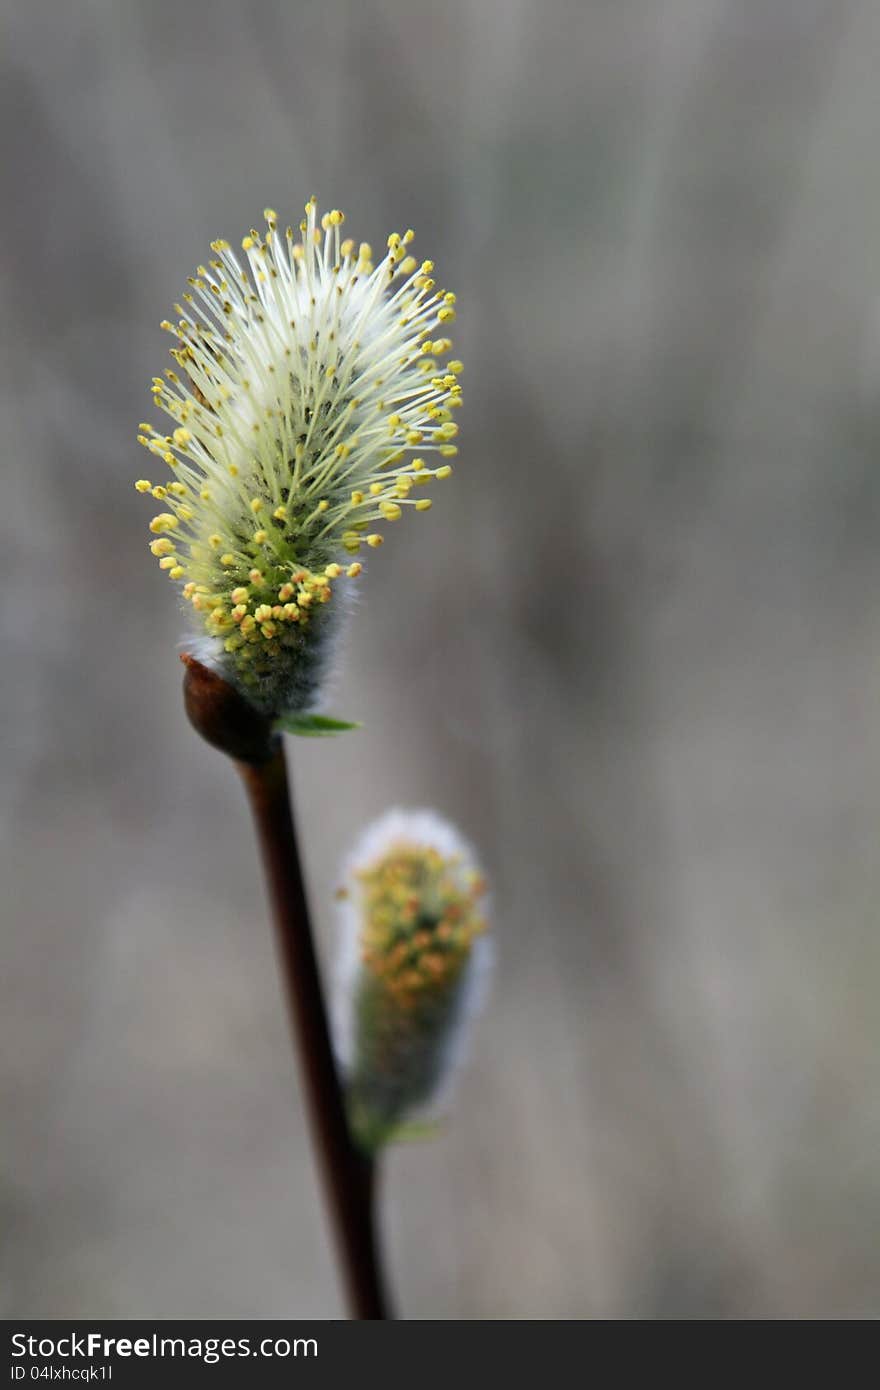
[[228, 722]]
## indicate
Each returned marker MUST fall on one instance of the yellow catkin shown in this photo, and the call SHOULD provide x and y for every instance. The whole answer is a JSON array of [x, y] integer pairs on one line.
[[277, 463]]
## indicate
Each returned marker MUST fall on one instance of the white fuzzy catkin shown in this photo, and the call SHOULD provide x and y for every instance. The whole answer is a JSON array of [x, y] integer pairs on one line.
[[413, 968], [306, 389]]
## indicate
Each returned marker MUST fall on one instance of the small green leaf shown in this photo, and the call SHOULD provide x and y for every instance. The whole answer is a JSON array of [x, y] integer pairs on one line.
[[411, 1131], [313, 725]]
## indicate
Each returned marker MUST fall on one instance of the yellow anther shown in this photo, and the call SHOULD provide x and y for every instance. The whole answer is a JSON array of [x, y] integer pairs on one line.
[[354, 570], [394, 422], [248, 623], [393, 240], [374, 540], [233, 470], [271, 216], [227, 559], [408, 266], [286, 592], [351, 541], [449, 451], [189, 590], [418, 465], [215, 541], [424, 505], [260, 537], [256, 577], [455, 367], [256, 504], [357, 498], [280, 513], [177, 572], [181, 436], [239, 595], [427, 267], [337, 218], [376, 488], [444, 471], [162, 547], [171, 460], [390, 511], [143, 485], [347, 247], [291, 612], [333, 571], [164, 522], [322, 506], [446, 314], [263, 612], [238, 612], [414, 437], [167, 562], [449, 298], [365, 251], [247, 244]]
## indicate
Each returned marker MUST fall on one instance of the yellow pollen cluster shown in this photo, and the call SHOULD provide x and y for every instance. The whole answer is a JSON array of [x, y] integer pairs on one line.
[[420, 916], [303, 378]]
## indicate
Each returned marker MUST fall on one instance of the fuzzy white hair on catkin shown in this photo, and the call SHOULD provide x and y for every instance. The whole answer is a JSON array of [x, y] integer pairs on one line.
[[422, 828], [309, 377], [308, 687]]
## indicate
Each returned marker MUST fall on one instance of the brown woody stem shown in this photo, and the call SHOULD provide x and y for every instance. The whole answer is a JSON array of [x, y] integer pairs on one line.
[[228, 722]]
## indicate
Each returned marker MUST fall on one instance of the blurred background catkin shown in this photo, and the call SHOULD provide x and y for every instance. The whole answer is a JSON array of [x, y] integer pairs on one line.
[[634, 651]]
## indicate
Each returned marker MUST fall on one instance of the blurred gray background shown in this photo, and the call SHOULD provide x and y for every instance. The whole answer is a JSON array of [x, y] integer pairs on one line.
[[634, 651]]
